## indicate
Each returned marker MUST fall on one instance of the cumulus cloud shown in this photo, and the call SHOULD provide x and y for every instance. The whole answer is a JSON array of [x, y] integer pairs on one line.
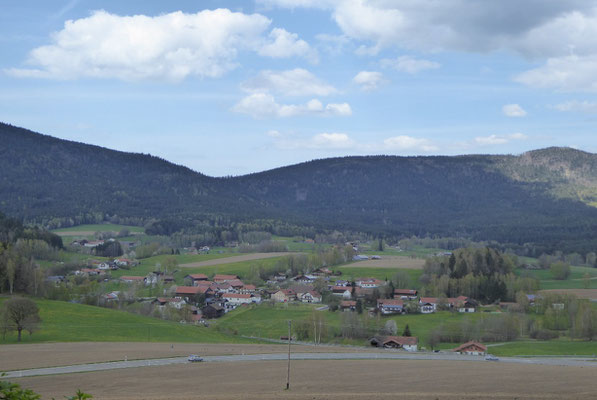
[[332, 141], [404, 142], [264, 105], [498, 139], [368, 80], [578, 106], [570, 73], [563, 33], [513, 110], [295, 82], [409, 64], [170, 46], [285, 44]]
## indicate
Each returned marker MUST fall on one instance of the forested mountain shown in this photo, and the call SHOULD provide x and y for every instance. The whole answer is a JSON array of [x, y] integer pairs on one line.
[[541, 196]]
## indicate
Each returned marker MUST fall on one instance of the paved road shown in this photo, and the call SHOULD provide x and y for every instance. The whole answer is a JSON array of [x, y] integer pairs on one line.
[[295, 356]]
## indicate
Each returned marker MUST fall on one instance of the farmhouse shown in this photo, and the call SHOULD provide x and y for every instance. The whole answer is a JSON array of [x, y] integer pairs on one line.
[[233, 300], [348, 305], [284, 296], [390, 306], [405, 294], [408, 343], [213, 311], [195, 278], [310, 297], [188, 292], [219, 278], [177, 303], [428, 305], [368, 283], [471, 349], [344, 291]]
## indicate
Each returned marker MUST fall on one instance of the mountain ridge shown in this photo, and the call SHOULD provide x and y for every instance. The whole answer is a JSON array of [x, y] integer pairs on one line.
[[541, 195]]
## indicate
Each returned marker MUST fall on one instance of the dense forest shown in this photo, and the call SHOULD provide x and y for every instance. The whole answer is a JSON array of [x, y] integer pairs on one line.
[[541, 198]]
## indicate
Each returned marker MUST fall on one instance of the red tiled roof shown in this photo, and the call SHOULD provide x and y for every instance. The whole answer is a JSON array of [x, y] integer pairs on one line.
[[219, 277], [405, 292], [132, 278], [348, 303], [236, 296], [198, 277], [189, 290], [249, 287], [471, 346], [431, 300], [401, 340], [390, 302]]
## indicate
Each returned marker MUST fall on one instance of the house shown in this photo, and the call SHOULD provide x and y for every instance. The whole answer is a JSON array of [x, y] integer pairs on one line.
[[405, 294], [321, 272], [233, 300], [213, 311], [89, 272], [189, 292], [219, 278], [124, 262], [196, 278], [103, 266], [408, 343], [247, 289], [177, 303], [344, 291], [304, 279], [390, 306], [428, 305], [56, 279], [348, 305], [284, 295], [341, 282], [168, 279], [471, 349], [133, 279], [310, 297], [112, 296], [368, 283], [236, 284]]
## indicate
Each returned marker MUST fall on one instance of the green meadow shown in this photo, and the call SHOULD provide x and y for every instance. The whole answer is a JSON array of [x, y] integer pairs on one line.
[[68, 322]]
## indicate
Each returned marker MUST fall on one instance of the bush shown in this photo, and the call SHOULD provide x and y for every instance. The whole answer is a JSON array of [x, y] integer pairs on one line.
[[544, 334], [560, 270]]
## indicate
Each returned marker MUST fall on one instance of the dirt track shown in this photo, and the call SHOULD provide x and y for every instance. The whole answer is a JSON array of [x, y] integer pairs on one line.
[[234, 259], [333, 380], [391, 262]]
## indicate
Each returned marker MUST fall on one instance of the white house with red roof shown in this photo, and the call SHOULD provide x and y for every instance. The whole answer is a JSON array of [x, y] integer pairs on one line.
[[390, 306], [471, 348], [428, 305], [310, 297]]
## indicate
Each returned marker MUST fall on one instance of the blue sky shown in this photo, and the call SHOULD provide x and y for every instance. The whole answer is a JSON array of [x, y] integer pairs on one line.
[[234, 87]]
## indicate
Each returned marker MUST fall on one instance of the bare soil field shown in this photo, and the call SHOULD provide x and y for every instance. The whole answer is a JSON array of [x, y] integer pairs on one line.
[[234, 259], [580, 293], [75, 233], [391, 262], [25, 356], [330, 380]]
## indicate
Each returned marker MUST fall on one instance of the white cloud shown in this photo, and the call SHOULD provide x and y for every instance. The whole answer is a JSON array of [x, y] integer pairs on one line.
[[498, 139], [295, 82], [409, 64], [332, 141], [264, 105], [170, 46], [285, 44], [578, 106], [569, 73], [404, 142], [274, 133], [513, 110], [368, 80]]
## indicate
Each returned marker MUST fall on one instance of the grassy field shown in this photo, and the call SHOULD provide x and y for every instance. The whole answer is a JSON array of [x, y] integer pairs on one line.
[[574, 281], [538, 348], [272, 321], [100, 228], [67, 322]]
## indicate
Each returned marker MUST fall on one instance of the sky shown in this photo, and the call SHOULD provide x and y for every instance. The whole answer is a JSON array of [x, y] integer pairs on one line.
[[236, 87]]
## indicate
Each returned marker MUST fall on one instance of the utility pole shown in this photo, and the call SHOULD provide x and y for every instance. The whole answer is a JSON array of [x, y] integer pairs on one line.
[[289, 338]]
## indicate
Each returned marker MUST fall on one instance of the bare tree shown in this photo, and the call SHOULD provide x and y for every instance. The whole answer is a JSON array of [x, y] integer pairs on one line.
[[19, 314]]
